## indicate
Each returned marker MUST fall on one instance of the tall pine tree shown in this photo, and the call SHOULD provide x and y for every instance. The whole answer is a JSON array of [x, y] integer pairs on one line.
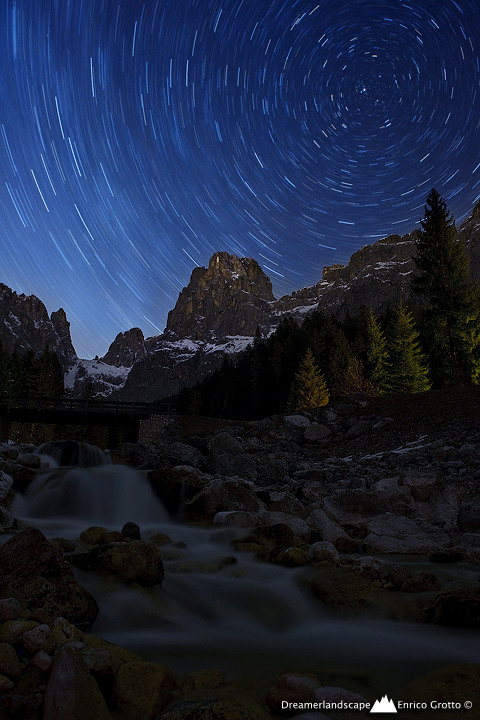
[[452, 315], [376, 352], [407, 371], [308, 388]]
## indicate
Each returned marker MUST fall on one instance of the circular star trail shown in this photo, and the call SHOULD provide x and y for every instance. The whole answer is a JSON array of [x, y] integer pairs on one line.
[[139, 137]]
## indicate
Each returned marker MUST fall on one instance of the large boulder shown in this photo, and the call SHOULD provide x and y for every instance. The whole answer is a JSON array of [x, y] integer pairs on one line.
[[342, 591], [33, 571], [223, 494], [177, 485], [394, 534], [469, 517], [72, 692], [330, 531], [143, 689], [455, 608], [135, 561]]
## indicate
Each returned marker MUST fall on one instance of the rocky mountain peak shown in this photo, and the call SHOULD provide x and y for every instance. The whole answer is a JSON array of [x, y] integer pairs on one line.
[[126, 349], [228, 298], [25, 325]]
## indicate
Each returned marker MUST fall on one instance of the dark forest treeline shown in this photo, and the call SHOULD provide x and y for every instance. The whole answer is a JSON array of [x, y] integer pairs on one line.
[[30, 375], [431, 343], [259, 382]]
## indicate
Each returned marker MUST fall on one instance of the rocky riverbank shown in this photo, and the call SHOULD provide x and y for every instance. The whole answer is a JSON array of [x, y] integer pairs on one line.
[[374, 504]]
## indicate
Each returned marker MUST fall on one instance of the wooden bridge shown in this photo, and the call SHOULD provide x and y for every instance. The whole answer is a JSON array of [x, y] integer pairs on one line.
[[67, 411]]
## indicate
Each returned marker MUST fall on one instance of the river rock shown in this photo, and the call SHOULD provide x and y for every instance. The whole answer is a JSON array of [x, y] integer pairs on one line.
[[316, 432], [324, 550], [97, 535], [395, 575], [7, 521], [230, 493], [12, 630], [6, 483], [451, 685], [425, 581], [9, 662], [10, 609], [299, 526], [291, 688], [223, 443], [34, 572], [455, 608], [203, 679], [131, 531], [300, 690], [344, 592], [395, 534], [236, 518], [329, 530], [421, 485], [469, 545], [143, 689], [360, 428], [72, 692], [469, 517], [179, 453], [216, 706], [178, 485], [274, 534], [244, 466], [42, 661], [136, 561], [40, 638], [296, 421]]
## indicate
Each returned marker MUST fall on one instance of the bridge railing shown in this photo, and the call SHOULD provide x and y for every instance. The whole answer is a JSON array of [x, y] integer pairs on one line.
[[91, 405]]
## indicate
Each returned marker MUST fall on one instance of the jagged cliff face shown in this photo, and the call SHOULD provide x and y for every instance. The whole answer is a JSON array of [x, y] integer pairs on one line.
[[25, 325], [127, 349], [376, 277], [217, 314], [230, 297]]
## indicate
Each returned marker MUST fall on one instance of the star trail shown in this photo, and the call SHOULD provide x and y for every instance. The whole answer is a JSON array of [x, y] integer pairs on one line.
[[138, 137]]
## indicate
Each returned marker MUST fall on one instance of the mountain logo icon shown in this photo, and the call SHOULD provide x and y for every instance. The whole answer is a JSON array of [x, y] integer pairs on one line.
[[384, 706]]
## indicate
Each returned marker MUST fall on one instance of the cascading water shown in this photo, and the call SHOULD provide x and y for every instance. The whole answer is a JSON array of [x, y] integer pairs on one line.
[[218, 607]]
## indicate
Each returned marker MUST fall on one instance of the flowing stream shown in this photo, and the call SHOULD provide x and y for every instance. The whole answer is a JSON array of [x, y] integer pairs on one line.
[[220, 608]]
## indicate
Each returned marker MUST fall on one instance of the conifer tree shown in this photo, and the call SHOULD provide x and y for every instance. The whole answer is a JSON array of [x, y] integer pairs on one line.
[[376, 351], [452, 315], [308, 388], [16, 375], [407, 370], [5, 379], [49, 375], [338, 361]]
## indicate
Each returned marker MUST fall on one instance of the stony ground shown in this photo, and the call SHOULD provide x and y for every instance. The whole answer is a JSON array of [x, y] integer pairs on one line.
[[334, 491]]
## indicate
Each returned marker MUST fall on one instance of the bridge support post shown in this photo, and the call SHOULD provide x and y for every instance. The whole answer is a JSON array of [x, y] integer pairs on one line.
[[5, 426]]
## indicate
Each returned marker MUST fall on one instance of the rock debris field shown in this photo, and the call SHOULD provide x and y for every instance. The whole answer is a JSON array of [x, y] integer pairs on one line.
[[371, 505]]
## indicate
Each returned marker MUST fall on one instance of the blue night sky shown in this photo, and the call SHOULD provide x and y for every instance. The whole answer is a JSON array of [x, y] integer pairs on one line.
[[140, 136]]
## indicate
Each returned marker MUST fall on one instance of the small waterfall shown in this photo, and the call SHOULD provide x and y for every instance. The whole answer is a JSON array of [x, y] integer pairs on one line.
[[94, 492], [218, 607], [73, 453]]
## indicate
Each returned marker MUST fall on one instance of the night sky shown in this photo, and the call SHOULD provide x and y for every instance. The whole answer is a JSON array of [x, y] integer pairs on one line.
[[138, 137]]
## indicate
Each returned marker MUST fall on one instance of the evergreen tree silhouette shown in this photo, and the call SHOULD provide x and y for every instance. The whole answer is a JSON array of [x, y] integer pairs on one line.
[[407, 370], [451, 323], [376, 352], [308, 388]]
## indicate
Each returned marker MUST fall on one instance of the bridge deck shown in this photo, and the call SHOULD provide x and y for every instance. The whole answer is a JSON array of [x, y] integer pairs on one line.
[[69, 411]]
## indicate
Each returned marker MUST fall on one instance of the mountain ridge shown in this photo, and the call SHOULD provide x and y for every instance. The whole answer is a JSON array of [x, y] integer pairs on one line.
[[217, 314]]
